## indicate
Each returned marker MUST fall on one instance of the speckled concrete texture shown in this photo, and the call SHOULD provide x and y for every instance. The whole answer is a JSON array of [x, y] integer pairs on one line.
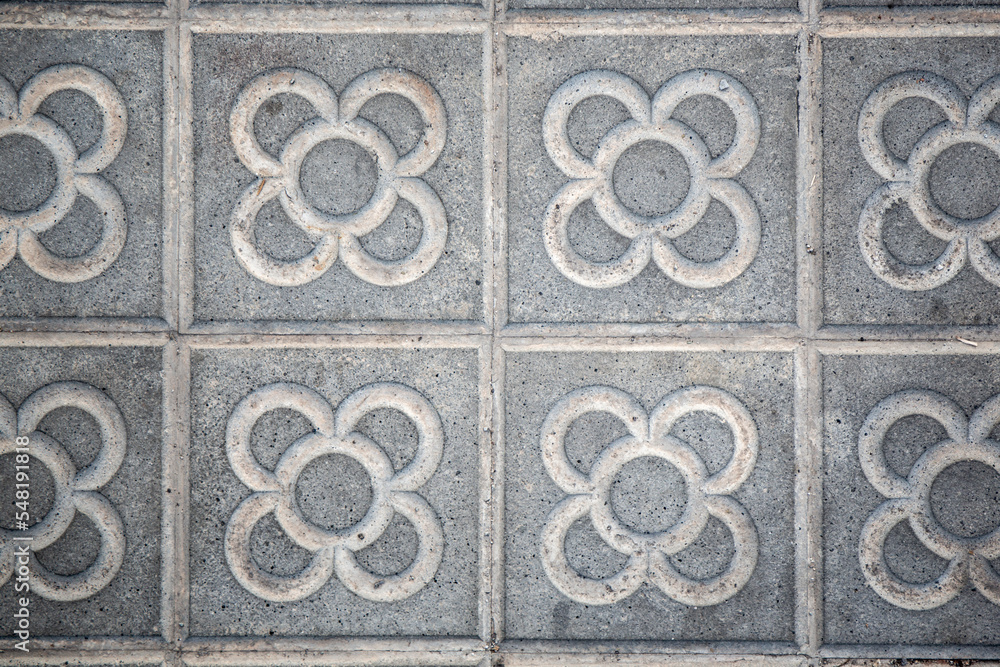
[[338, 176], [651, 178], [513, 333], [131, 286], [335, 491], [649, 494]]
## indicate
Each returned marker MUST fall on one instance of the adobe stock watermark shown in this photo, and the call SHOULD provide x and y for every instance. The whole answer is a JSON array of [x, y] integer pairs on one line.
[[22, 497]]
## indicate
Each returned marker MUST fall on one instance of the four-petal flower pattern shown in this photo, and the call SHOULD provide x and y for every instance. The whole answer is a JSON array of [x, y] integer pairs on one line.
[[711, 178], [966, 122], [910, 499], [708, 495], [75, 490], [75, 173], [392, 492], [398, 176]]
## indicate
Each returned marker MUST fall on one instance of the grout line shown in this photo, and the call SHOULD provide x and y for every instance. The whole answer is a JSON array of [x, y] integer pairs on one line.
[[809, 232], [348, 658], [170, 167], [809, 491], [486, 468], [490, 193], [651, 660], [493, 196], [337, 20], [648, 344], [185, 180], [415, 649], [173, 659], [654, 25], [61, 658], [357, 341], [169, 480], [497, 626], [584, 648], [356, 328], [500, 12], [657, 329], [182, 448], [499, 177]]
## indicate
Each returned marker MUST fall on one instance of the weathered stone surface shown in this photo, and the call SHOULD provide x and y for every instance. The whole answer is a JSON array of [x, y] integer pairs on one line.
[[666, 394], [90, 245], [550, 282], [95, 488], [435, 227], [954, 164], [431, 474], [929, 471], [502, 334]]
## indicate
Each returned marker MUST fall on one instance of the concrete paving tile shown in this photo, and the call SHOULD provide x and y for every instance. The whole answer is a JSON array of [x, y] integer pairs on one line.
[[81, 219], [912, 486], [719, 262], [377, 534], [93, 419], [900, 246], [722, 425], [413, 245]]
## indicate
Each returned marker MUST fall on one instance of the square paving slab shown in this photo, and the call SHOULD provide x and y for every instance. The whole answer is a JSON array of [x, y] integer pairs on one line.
[[335, 492], [911, 499], [400, 168], [93, 418], [590, 180], [649, 496], [82, 177], [896, 204]]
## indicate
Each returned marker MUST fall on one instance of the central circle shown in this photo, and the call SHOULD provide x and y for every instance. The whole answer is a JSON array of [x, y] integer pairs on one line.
[[648, 494], [651, 178], [338, 176], [965, 499], [27, 173], [963, 181], [334, 492]]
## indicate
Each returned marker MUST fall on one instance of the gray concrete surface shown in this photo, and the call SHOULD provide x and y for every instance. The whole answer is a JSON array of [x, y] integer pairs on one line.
[[503, 334]]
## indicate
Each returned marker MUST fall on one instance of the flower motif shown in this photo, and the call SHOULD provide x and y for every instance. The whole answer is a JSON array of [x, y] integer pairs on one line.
[[397, 177], [333, 550], [711, 178], [75, 491], [909, 499], [909, 180], [708, 495], [75, 173]]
